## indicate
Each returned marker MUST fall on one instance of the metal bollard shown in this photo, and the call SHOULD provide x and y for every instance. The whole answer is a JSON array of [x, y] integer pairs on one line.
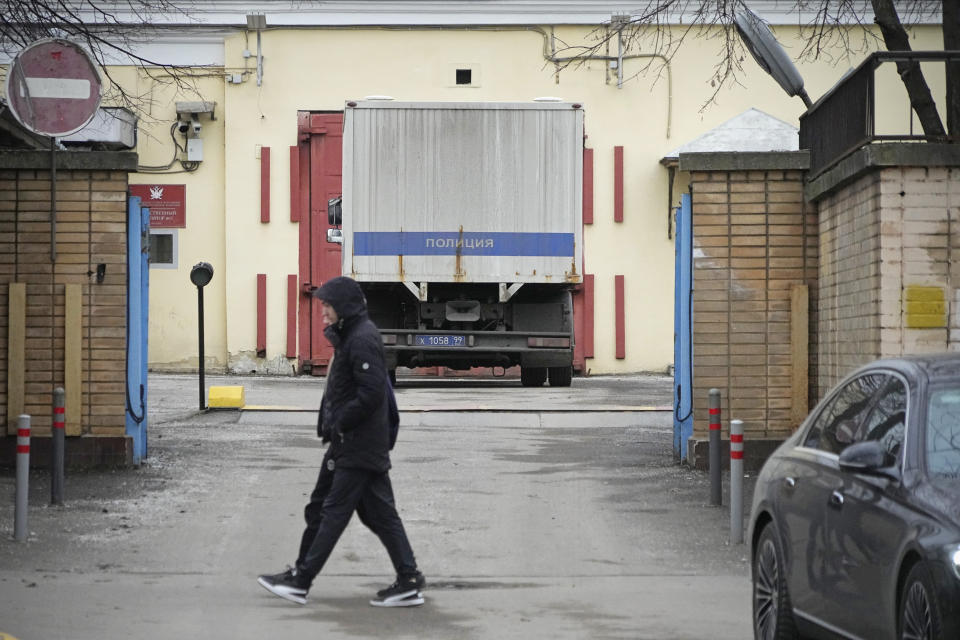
[[736, 481], [57, 454], [716, 484], [23, 478]]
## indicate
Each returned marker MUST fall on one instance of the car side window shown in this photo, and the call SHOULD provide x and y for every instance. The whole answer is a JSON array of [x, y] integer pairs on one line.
[[887, 420], [812, 439], [943, 433], [840, 423]]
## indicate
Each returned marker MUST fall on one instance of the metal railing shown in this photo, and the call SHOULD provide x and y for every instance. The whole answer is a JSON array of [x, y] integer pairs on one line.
[[845, 118]]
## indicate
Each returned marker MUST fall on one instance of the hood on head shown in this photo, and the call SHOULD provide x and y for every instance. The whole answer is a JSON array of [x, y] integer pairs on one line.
[[344, 295]]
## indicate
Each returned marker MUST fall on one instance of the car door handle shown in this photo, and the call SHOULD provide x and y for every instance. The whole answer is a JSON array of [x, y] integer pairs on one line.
[[836, 499]]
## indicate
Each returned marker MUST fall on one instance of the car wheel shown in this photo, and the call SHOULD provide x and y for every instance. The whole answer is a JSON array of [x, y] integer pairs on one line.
[[920, 617], [560, 376], [772, 614], [533, 376]]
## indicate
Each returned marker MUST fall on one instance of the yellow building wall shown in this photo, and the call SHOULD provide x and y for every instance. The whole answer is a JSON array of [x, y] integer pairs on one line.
[[173, 340], [320, 69]]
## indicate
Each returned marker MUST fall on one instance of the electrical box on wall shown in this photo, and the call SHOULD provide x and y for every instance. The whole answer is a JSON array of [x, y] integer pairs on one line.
[[194, 150]]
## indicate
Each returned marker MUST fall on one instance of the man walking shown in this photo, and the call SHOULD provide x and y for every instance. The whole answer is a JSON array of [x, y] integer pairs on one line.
[[358, 418]]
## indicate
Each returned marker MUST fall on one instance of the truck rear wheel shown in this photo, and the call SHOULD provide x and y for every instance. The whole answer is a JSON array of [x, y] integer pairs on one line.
[[533, 376], [561, 376]]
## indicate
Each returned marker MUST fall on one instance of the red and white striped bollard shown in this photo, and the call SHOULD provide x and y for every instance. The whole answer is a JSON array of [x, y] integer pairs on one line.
[[736, 481], [23, 478], [58, 443], [716, 482]]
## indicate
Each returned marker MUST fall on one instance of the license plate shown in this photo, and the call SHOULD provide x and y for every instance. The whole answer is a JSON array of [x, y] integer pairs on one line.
[[440, 341]]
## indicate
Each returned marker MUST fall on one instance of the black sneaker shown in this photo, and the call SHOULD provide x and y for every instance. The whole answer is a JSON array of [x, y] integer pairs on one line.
[[289, 585], [405, 592]]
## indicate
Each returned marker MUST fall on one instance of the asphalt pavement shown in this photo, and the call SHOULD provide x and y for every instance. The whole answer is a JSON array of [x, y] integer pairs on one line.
[[534, 513]]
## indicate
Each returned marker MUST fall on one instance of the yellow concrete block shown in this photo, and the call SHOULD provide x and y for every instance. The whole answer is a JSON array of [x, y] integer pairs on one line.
[[923, 294], [930, 308], [226, 398], [925, 307]]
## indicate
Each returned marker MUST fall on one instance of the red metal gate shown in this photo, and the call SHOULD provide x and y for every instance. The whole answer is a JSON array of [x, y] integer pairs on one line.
[[320, 147]]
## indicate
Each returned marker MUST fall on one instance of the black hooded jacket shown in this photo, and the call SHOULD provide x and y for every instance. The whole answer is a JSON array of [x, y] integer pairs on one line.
[[354, 410]]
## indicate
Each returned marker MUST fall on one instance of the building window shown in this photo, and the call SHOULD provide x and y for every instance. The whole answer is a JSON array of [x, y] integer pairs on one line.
[[464, 76], [163, 249]]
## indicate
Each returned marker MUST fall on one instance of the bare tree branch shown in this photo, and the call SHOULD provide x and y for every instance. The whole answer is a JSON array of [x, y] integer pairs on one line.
[[896, 38], [837, 30], [109, 31], [657, 31], [654, 32]]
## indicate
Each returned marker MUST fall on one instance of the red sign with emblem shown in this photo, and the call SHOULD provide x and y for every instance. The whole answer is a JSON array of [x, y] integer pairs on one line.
[[167, 204]]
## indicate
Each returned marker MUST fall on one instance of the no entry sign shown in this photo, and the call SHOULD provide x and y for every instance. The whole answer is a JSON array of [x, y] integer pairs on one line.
[[53, 87]]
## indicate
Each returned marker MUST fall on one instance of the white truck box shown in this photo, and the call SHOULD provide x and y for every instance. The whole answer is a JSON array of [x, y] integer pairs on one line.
[[463, 224], [462, 192]]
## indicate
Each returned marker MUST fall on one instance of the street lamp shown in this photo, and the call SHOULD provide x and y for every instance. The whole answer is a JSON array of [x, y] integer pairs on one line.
[[200, 275], [768, 53]]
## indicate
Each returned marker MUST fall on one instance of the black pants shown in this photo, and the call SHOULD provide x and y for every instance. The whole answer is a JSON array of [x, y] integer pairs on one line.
[[340, 492]]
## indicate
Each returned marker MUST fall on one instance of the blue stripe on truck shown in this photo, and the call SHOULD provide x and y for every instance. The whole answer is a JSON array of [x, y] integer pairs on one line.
[[441, 243]]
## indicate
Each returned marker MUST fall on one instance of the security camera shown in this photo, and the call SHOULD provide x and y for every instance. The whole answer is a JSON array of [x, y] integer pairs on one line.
[[183, 127], [196, 127]]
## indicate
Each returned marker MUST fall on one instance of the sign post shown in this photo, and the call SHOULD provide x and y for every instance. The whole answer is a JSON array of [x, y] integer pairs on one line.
[[53, 88]]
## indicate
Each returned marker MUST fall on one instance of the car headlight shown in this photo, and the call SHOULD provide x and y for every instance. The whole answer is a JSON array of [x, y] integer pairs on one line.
[[953, 558]]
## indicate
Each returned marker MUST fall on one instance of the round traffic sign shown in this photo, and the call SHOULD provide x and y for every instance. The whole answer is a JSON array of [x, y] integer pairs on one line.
[[53, 87]]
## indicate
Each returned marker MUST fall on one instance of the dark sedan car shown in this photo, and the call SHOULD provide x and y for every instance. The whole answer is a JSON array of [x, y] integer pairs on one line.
[[855, 524]]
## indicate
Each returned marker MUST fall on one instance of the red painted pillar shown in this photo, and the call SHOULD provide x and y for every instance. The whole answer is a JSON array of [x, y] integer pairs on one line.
[[588, 315], [620, 318], [261, 315], [588, 186], [292, 316], [264, 184], [618, 184], [294, 184]]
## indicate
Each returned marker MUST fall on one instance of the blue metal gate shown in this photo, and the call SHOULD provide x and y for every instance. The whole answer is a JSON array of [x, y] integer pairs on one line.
[[683, 330], [138, 303]]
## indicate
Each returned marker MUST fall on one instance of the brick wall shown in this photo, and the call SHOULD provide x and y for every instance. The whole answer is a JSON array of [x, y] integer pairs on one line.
[[90, 230], [753, 239], [884, 235], [849, 279]]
